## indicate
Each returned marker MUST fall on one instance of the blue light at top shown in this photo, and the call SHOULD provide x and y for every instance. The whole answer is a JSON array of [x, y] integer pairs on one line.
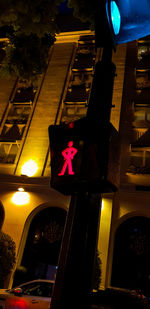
[[135, 20], [115, 17], [128, 20]]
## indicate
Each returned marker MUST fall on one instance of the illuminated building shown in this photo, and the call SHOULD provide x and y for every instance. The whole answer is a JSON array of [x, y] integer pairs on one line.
[[36, 213]]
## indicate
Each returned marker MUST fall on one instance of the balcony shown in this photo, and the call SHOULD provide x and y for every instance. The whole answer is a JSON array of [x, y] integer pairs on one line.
[[141, 117], [81, 78], [77, 94], [142, 96], [8, 152], [12, 132], [24, 95], [18, 114], [86, 45], [139, 162], [144, 62], [84, 62], [142, 79]]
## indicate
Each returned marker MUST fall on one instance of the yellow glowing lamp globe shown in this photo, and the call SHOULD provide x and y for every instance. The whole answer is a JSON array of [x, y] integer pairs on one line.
[[29, 168], [20, 198]]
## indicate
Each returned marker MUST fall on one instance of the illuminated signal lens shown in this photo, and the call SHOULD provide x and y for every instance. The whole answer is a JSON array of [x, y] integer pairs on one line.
[[115, 17], [71, 125]]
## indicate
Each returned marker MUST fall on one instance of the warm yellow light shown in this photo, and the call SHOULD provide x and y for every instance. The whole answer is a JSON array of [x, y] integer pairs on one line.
[[29, 168], [20, 189], [102, 206], [20, 198]]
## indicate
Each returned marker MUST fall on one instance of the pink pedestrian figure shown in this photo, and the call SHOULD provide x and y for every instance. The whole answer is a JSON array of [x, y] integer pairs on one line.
[[68, 155]]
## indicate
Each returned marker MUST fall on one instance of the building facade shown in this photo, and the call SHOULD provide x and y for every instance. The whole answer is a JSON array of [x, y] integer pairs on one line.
[[34, 212]]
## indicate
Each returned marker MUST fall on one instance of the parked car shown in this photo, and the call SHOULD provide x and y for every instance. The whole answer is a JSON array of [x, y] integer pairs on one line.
[[34, 294], [112, 298]]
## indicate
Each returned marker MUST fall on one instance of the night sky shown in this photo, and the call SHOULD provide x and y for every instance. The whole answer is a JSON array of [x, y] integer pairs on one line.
[[63, 8]]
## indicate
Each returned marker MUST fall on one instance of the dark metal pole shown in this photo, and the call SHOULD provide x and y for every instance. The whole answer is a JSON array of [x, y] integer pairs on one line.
[[75, 270], [100, 102]]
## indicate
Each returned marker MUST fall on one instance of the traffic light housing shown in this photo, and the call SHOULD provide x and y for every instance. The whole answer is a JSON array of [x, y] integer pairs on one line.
[[84, 157], [121, 21]]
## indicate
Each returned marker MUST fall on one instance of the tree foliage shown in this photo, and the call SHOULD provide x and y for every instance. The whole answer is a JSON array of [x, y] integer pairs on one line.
[[7, 256], [30, 16], [26, 56], [97, 272], [84, 10], [31, 30]]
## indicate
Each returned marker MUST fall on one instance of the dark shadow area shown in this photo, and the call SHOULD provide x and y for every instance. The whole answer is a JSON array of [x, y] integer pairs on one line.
[[131, 267]]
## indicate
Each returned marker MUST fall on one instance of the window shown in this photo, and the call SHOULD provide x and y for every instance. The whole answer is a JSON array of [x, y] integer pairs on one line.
[[142, 113], [77, 95], [136, 158], [8, 152], [81, 77], [24, 95], [18, 113], [131, 267], [143, 50], [139, 114], [85, 48], [15, 122], [84, 62], [143, 79], [139, 162]]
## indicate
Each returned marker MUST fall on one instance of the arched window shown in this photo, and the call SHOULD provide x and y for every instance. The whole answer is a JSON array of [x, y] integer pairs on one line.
[[40, 257], [131, 260]]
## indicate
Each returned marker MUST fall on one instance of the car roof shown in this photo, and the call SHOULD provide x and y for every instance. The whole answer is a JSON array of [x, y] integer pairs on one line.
[[36, 280]]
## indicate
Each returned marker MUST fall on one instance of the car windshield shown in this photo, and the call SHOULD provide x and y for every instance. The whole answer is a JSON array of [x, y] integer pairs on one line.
[[43, 289]]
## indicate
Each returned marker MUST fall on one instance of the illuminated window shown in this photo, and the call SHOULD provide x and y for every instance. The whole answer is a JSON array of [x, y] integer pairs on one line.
[[143, 49]]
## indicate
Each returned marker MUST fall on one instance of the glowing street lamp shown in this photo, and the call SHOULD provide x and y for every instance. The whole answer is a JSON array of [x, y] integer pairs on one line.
[[29, 168], [20, 197]]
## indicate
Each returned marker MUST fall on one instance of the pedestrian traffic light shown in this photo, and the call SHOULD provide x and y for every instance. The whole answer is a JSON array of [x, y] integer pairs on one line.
[[121, 21], [84, 157], [66, 147]]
